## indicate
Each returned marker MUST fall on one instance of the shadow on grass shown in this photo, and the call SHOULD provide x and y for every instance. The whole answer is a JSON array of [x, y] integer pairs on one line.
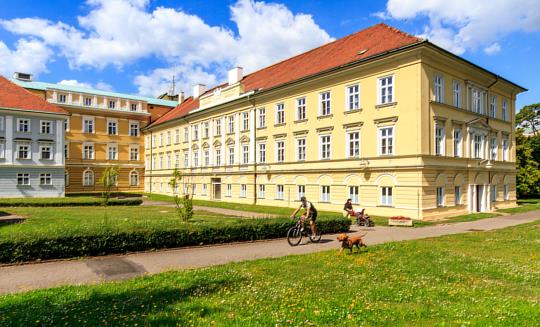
[[155, 302]]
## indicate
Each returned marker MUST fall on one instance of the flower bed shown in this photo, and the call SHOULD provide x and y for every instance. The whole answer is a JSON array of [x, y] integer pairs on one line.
[[400, 221]]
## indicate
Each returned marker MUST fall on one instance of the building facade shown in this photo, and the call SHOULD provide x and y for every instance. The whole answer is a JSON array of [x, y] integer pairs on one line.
[[103, 130], [31, 144], [397, 124]]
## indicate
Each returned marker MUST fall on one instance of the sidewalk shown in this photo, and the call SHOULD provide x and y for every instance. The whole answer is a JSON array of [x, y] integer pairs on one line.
[[221, 211], [116, 267]]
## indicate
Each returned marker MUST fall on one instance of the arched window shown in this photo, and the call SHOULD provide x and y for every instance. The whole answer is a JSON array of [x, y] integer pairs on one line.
[[88, 178], [134, 178]]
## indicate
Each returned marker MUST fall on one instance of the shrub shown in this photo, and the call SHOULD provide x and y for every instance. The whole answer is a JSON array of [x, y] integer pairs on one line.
[[187, 234], [68, 202]]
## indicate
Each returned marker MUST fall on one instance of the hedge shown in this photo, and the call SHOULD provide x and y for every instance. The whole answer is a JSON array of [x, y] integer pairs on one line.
[[68, 202], [188, 234]]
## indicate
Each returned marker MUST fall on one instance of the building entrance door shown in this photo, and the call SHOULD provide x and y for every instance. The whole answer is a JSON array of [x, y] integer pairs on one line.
[[216, 188], [480, 198]]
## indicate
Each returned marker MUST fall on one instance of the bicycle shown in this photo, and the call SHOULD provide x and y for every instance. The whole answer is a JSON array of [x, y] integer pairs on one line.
[[299, 230]]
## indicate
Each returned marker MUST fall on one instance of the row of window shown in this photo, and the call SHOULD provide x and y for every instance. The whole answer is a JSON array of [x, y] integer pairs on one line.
[[24, 125], [23, 150], [91, 101], [112, 152], [112, 127], [23, 179], [477, 145], [477, 102], [441, 199], [89, 180], [385, 87]]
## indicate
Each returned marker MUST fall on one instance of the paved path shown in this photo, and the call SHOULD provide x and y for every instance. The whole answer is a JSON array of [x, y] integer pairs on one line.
[[115, 267], [221, 211]]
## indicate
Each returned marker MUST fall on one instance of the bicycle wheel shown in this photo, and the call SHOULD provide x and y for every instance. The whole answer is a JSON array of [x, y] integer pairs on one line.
[[294, 236]]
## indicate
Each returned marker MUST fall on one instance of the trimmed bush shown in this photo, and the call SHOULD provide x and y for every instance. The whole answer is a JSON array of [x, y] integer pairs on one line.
[[67, 202], [186, 234]]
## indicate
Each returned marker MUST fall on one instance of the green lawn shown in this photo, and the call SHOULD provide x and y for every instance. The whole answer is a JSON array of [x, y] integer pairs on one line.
[[479, 279], [66, 201], [524, 206], [48, 222]]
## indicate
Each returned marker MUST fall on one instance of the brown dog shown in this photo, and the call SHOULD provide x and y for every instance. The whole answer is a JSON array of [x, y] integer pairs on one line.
[[348, 242]]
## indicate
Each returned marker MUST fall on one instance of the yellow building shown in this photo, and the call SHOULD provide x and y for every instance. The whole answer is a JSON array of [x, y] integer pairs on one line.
[[397, 124], [103, 130]]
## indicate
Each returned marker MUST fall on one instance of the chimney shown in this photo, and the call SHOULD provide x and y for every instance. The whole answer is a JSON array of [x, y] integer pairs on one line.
[[198, 90], [23, 76], [180, 97], [235, 75]]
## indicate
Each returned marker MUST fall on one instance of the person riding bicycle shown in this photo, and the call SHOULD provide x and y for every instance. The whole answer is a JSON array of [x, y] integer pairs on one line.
[[310, 213]]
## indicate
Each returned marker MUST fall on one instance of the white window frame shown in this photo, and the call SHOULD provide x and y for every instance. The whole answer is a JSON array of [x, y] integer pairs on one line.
[[24, 125], [206, 129], [261, 152], [42, 147], [261, 115], [506, 148], [493, 106], [504, 115], [88, 178], [493, 148], [354, 194], [89, 125], [245, 154], [23, 179], [301, 109], [243, 190], [230, 124], [131, 174], [218, 156], [88, 101], [325, 193], [457, 195], [91, 155], [506, 192], [261, 191], [280, 192], [457, 99], [177, 136], [389, 150], [438, 88], [352, 97], [134, 128], [477, 146], [458, 142], [476, 100], [45, 127], [28, 149], [228, 192], [353, 144], [301, 147], [2, 123], [230, 155], [440, 139], [111, 104], [280, 151], [300, 191], [168, 138], [388, 88], [45, 179], [440, 196], [2, 149], [325, 147], [114, 152], [112, 124], [325, 104], [280, 113], [218, 127], [134, 152], [206, 156], [386, 196], [245, 121]]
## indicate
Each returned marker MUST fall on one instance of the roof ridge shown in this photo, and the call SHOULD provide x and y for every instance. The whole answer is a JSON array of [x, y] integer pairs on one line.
[[397, 30]]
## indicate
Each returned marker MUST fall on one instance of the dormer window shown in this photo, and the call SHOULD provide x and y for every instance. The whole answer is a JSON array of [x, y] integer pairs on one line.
[[133, 107], [62, 98], [87, 101], [112, 104]]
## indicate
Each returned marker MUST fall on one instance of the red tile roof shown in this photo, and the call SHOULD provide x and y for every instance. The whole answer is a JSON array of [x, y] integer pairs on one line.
[[13, 96], [181, 110], [366, 43]]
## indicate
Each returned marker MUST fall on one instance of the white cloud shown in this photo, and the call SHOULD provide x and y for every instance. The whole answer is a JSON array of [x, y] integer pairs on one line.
[[28, 56], [462, 25], [120, 32], [99, 85]]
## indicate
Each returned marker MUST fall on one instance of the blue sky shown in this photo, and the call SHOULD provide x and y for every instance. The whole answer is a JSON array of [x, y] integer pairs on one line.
[[135, 46]]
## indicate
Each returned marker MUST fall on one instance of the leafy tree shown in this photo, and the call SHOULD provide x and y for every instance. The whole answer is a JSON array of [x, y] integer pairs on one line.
[[184, 203], [528, 173], [108, 180], [529, 117]]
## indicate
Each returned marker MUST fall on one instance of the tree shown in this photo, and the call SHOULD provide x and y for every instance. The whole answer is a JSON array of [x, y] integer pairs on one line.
[[529, 117], [184, 203], [528, 173], [108, 180]]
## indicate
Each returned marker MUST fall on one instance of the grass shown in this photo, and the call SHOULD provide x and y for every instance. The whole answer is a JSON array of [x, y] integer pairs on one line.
[[48, 222], [66, 201], [479, 279], [524, 205]]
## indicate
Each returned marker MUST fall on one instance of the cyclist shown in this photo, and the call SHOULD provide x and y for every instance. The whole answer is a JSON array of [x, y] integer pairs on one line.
[[310, 213]]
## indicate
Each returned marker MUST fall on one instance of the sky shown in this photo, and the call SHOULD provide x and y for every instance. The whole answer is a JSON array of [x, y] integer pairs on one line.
[[136, 46]]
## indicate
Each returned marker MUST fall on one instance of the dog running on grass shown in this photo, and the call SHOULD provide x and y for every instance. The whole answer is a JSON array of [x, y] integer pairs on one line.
[[348, 242]]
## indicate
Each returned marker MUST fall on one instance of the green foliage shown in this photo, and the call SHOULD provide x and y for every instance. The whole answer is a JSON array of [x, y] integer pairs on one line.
[[108, 179], [528, 174], [472, 279], [184, 204], [66, 202], [529, 118], [107, 240]]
